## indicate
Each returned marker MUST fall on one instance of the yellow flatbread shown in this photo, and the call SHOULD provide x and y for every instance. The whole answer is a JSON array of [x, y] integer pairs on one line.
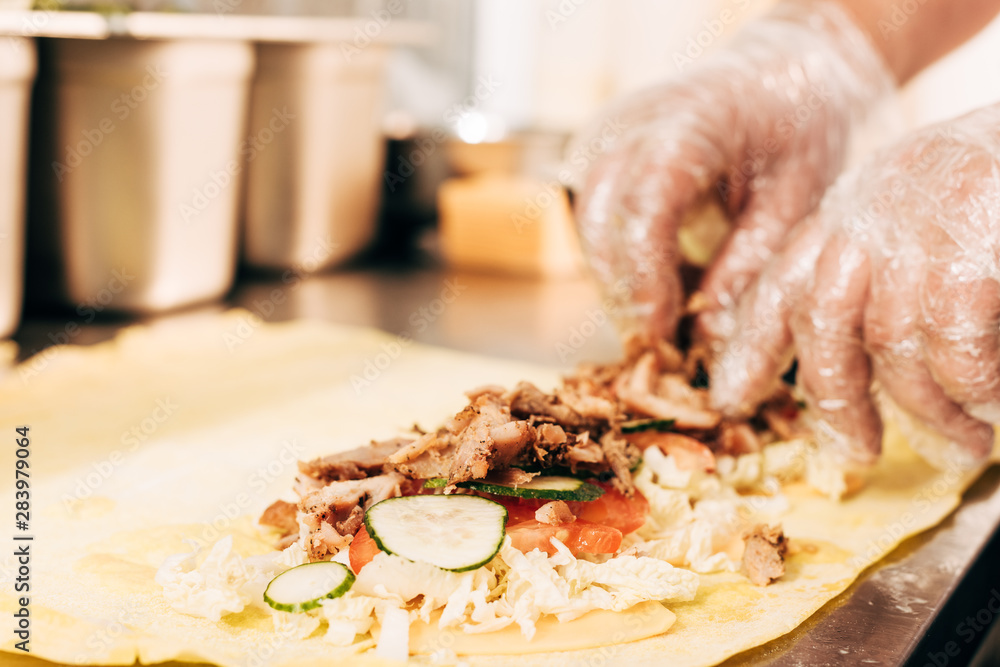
[[189, 431]]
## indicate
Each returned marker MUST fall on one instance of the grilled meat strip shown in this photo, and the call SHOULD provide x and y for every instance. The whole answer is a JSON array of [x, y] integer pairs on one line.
[[333, 514], [491, 439], [357, 463], [764, 555], [281, 515]]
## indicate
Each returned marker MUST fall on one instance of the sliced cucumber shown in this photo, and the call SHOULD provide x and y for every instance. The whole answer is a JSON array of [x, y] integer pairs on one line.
[[639, 425], [454, 532], [549, 487], [304, 587]]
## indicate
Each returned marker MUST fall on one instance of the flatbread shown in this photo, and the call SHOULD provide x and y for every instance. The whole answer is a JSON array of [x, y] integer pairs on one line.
[[191, 430]]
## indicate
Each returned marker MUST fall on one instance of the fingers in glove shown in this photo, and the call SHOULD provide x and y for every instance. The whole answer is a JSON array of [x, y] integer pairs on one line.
[[834, 370], [893, 335], [759, 230], [961, 326], [629, 221], [758, 340]]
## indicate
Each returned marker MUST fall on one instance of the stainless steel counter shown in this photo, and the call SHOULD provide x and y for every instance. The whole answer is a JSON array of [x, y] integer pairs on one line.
[[931, 602]]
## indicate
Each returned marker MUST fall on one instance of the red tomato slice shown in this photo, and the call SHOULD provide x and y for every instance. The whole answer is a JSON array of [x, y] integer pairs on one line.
[[613, 509], [518, 509], [579, 537], [363, 549]]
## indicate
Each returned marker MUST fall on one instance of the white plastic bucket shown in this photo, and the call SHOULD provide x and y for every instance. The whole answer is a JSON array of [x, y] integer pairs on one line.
[[146, 168], [17, 70]]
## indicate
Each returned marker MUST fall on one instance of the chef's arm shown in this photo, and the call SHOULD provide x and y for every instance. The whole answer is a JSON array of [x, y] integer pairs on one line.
[[912, 35]]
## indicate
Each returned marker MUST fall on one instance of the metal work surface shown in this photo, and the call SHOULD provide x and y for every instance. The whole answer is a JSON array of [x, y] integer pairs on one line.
[[930, 602]]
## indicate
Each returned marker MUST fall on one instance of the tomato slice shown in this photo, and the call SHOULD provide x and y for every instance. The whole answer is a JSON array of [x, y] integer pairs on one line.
[[579, 537], [613, 509], [362, 551]]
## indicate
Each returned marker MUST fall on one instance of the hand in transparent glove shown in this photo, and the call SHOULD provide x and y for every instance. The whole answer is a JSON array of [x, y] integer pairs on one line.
[[896, 278], [767, 119]]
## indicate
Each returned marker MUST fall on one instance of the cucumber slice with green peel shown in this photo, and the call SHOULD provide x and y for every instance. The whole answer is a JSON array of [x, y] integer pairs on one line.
[[454, 532], [547, 487], [304, 587], [639, 425]]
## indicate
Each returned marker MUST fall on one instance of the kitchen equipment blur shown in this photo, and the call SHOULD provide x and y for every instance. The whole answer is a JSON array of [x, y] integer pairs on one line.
[[506, 210], [143, 168], [141, 149], [313, 188], [17, 70]]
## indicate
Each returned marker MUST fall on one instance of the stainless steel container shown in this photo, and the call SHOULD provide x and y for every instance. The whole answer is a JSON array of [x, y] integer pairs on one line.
[[146, 168], [17, 70], [313, 187]]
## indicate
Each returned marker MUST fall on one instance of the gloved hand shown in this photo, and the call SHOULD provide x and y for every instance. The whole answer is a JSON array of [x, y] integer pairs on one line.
[[767, 119], [895, 278]]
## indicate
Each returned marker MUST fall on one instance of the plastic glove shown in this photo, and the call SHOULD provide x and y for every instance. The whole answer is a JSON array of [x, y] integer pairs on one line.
[[896, 278], [767, 119]]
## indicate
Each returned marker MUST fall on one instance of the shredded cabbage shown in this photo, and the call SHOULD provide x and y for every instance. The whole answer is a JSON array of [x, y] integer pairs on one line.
[[693, 526]]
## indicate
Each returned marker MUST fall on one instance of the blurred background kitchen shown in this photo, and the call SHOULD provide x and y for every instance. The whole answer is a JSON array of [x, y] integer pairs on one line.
[[365, 162]]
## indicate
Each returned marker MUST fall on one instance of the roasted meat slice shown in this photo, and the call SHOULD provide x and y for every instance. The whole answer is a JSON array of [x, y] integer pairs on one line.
[[509, 440], [589, 406], [333, 514], [527, 400], [354, 464], [621, 456], [281, 515], [584, 451], [437, 440], [764, 555], [667, 357], [510, 477], [476, 449], [550, 436], [555, 513], [432, 463], [636, 389], [493, 389]]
